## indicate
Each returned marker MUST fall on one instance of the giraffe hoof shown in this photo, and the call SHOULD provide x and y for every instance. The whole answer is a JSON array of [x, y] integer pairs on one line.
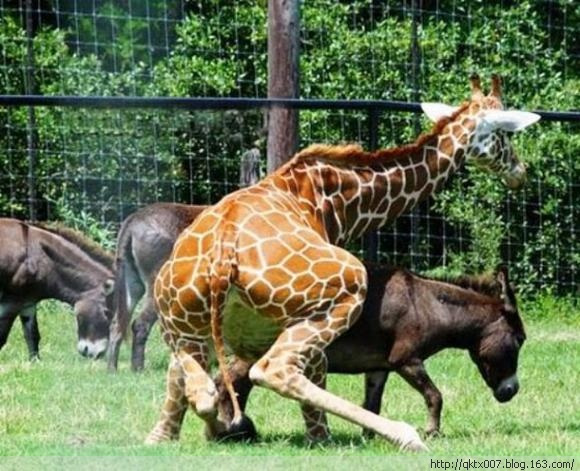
[[409, 439], [158, 436], [414, 445], [244, 431], [154, 439]]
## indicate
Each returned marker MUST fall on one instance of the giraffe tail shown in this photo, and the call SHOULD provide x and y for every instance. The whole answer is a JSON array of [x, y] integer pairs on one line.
[[222, 271]]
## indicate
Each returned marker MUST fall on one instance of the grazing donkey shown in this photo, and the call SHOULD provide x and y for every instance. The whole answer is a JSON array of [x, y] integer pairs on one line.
[[144, 243], [39, 262], [407, 318]]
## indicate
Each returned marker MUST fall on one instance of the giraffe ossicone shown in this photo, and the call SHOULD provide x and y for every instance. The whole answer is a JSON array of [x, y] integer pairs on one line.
[[274, 250]]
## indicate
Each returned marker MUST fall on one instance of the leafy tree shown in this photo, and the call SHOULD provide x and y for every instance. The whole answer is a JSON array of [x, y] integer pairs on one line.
[[106, 162]]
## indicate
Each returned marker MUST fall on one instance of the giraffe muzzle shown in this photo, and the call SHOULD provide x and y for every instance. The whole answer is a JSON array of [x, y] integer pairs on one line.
[[516, 178]]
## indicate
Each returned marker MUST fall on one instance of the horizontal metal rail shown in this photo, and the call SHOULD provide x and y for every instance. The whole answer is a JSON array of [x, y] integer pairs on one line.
[[235, 103]]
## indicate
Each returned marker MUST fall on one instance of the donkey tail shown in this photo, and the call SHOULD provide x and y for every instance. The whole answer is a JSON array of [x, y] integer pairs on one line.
[[121, 315], [223, 269], [123, 257]]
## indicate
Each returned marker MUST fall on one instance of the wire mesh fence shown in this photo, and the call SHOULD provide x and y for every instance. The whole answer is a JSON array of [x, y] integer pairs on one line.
[[94, 166]]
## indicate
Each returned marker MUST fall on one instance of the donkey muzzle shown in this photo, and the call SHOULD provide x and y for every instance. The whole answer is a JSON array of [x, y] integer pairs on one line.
[[507, 389], [92, 348]]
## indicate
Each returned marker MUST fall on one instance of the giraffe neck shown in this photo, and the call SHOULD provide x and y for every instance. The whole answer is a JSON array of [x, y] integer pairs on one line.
[[347, 199]]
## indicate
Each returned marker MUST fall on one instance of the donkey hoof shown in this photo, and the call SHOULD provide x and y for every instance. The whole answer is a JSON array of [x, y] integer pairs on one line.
[[243, 431], [433, 433]]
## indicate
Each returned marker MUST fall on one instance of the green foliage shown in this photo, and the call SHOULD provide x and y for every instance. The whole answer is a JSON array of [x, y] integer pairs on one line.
[[81, 220], [348, 50]]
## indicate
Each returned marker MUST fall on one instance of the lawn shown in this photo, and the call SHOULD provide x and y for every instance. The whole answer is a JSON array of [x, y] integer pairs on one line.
[[65, 405]]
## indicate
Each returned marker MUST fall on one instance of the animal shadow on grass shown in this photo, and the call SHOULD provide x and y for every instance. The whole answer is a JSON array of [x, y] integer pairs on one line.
[[337, 440], [298, 440]]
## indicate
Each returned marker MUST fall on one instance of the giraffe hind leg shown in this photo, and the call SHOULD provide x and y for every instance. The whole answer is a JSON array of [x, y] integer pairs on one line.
[[188, 383], [315, 419], [282, 370]]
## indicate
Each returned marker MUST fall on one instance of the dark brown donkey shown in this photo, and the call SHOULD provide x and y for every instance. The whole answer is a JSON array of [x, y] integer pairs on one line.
[[144, 243], [40, 262], [407, 318]]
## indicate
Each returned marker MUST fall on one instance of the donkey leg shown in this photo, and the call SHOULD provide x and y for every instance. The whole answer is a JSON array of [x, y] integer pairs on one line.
[[31, 333], [6, 321], [416, 375], [374, 387], [282, 370], [125, 302], [174, 407], [141, 328]]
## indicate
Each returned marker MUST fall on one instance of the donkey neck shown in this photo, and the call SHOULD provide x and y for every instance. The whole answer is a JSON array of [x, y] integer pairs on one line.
[[459, 315], [349, 191], [74, 273]]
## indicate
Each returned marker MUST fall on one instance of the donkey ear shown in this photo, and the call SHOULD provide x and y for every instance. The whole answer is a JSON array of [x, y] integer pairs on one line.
[[502, 279], [109, 286], [510, 121], [436, 111], [507, 289]]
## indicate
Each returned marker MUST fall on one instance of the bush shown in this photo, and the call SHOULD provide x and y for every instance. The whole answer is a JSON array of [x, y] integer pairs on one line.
[[104, 163]]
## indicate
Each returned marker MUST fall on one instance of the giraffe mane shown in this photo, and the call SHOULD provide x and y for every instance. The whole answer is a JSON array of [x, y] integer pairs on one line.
[[354, 154]]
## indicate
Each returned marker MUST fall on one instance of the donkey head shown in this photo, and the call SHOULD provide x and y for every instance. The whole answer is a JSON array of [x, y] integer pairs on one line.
[[497, 349], [489, 145], [93, 313]]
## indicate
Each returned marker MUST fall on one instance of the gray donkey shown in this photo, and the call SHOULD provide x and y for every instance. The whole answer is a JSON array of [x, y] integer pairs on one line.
[[144, 243], [40, 262]]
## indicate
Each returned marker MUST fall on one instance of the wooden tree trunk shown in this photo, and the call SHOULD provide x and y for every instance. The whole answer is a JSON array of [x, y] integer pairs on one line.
[[283, 79]]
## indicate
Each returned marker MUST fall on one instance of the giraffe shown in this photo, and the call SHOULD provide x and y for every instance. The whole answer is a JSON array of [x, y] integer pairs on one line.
[[265, 270]]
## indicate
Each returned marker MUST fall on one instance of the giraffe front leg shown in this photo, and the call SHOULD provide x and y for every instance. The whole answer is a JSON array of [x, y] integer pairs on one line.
[[315, 419], [174, 407], [282, 370]]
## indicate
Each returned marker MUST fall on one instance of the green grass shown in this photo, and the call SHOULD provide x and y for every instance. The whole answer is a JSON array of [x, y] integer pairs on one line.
[[67, 405]]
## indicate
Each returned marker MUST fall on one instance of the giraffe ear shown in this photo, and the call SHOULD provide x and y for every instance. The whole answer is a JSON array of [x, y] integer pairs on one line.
[[436, 111], [510, 121]]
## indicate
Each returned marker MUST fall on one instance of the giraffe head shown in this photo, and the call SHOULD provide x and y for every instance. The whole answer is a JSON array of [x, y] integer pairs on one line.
[[489, 145]]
